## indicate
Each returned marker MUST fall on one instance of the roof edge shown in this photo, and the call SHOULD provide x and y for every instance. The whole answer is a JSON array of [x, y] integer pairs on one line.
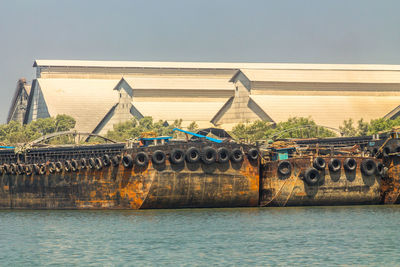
[[208, 65]]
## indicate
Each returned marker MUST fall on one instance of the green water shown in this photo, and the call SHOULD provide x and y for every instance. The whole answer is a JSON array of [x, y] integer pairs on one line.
[[358, 235]]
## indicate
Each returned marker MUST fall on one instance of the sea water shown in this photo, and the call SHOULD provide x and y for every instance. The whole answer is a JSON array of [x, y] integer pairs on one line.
[[302, 236]]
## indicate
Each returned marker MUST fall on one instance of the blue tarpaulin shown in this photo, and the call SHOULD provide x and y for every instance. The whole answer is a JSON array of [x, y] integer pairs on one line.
[[198, 135]]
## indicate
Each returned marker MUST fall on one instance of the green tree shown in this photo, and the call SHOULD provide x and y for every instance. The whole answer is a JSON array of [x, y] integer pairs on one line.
[[64, 123], [193, 127], [348, 129], [14, 132], [124, 130], [382, 125], [134, 128], [251, 131], [292, 128], [362, 127], [299, 127], [368, 128], [239, 131]]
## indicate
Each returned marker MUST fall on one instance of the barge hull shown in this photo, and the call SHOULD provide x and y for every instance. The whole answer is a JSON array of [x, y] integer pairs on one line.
[[168, 186], [334, 188]]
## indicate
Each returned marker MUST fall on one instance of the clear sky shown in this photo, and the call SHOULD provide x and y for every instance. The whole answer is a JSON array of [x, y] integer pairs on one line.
[[309, 31]]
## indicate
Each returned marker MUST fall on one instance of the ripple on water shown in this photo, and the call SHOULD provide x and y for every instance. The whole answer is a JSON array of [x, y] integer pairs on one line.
[[357, 235]]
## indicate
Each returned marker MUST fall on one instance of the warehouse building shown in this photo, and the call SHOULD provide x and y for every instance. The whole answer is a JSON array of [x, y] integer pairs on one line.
[[99, 94], [328, 95]]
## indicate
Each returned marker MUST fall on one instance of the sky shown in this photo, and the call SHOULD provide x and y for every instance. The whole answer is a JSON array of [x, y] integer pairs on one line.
[[297, 31]]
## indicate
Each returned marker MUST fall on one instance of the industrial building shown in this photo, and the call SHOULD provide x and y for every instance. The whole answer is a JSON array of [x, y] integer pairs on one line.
[[99, 94], [19, 101]]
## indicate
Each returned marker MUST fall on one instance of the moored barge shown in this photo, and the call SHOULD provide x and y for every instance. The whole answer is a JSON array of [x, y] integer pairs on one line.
[[176, 174], [160, 172]]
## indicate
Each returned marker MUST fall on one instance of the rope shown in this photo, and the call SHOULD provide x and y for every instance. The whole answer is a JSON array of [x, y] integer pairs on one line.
[[280, 190]]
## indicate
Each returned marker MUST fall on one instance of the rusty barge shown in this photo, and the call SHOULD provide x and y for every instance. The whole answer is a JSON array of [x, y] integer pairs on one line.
[[199, 173], [167, 174], [320, 176]]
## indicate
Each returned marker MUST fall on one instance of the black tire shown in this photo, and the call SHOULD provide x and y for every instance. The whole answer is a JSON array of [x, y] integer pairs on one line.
[[67, 166], [192, 155], [236, 155], [284, 168], [177, 156], [379, 169], [368, 167], [7, 169], [83, 163], [106, 160], [91, 163], [42, 169], [52, 167], [59, 166], [158, 157], [386, 151], [252, 154], [127, 161], [223, 155], [312, 176], [350, 164], [98, 163], [209, 155], [141, 159], [319, 163], [13, 168], [36, 168], [115, 160], [28, 169], [334, 165], [20, 169], [74, 165]]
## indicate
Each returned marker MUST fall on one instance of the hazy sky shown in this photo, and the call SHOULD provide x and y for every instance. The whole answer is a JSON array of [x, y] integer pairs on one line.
[[339, 31]]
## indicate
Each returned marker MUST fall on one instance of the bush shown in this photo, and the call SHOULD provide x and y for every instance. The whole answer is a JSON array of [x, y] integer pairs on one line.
[[365, 128], [292, 128], [134, 128]]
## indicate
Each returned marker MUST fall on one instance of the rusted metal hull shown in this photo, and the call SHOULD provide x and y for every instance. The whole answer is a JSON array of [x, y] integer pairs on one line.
[[389, 149], [334, 188], [168, 186], [391, 185]]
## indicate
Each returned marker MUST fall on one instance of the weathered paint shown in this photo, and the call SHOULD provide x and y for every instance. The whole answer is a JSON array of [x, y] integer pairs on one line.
[[341, 188], [167, 186], [390, 148], [391, 183]]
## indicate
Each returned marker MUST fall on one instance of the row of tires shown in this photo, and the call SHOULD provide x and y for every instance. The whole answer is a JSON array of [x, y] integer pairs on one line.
[[312, 175], [207, 155], [57, 167]]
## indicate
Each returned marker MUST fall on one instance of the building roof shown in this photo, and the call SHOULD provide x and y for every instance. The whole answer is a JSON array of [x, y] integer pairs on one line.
[[86, 100], [20, 88], [326, 110], [199, 110], [208, 65], [183, 83], [322, 75]]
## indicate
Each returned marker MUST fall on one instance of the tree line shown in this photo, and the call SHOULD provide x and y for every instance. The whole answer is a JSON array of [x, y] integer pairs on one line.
[[15, 133], [295, 127], [307, 128]]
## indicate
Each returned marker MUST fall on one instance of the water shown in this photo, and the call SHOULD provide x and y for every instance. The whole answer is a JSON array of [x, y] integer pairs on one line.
[[358, 235]]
